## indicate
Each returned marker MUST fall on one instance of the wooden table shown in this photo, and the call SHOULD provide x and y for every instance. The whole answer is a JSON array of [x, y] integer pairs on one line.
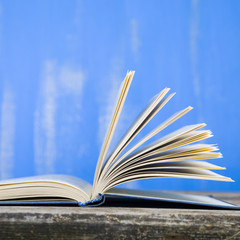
[[120, 223]]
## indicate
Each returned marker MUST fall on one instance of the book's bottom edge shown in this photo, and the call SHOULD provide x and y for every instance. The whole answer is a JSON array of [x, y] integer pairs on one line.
[[110, 200]]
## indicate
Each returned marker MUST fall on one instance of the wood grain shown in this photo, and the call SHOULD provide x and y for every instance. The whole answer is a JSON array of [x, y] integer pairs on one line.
[[120, 223]]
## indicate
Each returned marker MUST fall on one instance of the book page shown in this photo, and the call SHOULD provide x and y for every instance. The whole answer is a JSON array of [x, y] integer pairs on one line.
[[46, 186], [122, 96], [145, 116], [171, 158], [178, 138], [171, 173], [149, 136]]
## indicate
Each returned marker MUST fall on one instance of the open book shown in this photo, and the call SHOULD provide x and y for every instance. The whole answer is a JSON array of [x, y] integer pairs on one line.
[[176, 155]]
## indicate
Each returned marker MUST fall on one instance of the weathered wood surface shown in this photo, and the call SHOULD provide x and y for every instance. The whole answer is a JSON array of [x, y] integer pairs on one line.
[[120, 223]]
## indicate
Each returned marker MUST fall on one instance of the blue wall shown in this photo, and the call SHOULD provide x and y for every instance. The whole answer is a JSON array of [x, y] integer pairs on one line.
[[61, 64]]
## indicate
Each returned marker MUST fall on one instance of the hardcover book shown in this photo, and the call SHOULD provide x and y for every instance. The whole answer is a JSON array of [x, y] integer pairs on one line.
[[176, 155]]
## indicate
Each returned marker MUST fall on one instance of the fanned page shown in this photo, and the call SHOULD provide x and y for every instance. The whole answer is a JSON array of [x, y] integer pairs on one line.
[[120, 102], [176, 155]]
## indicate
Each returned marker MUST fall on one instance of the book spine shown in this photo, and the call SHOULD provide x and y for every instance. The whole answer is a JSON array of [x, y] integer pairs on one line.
[[94, 202]]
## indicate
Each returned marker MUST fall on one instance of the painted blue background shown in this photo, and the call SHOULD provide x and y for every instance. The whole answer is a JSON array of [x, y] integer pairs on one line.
[[61, 64]]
